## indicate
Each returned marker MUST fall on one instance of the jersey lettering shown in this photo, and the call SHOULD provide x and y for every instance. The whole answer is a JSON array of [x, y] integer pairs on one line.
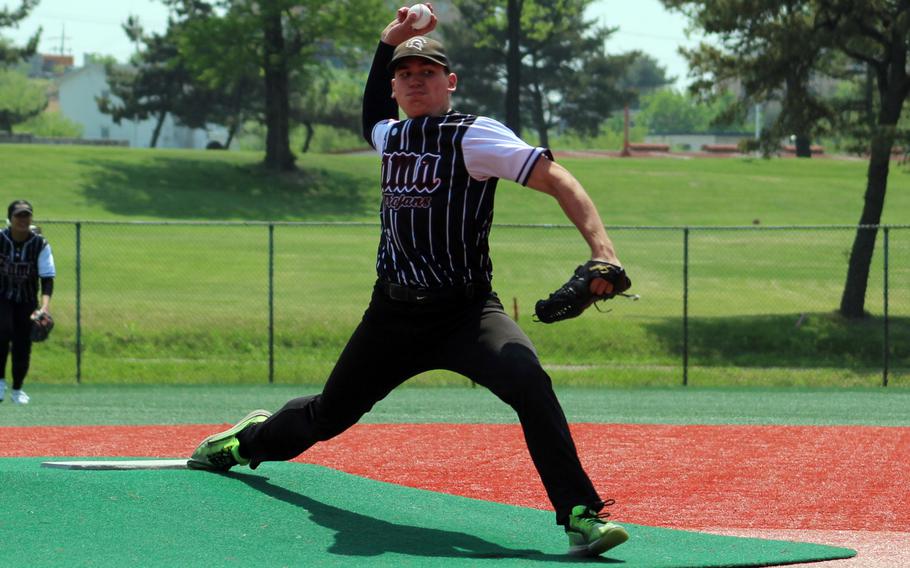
[[396, 202], [405, 172], [19, 267]]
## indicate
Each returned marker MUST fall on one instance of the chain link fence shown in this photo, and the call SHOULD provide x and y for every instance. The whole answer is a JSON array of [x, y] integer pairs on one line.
[[258, 302]]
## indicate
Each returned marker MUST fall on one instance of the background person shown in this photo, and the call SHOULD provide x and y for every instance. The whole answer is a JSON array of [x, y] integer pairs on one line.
[[432, 305], [25, 261]]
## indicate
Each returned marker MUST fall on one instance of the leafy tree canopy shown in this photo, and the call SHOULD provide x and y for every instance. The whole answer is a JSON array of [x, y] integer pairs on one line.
[[567, 79], [20, 99], [9, 18]]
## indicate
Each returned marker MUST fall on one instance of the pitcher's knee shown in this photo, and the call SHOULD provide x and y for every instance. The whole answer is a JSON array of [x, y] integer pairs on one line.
[[329, 422], [523, 381]]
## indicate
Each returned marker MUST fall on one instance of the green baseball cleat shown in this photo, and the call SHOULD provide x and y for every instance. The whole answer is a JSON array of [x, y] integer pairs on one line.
[[590, 535], [219, 452]]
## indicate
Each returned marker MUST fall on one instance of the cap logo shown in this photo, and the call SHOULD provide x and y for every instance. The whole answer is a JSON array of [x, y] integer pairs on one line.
[[417, 43]]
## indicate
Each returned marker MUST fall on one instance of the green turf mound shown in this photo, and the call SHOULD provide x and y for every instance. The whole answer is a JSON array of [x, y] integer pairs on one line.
[[287, 514]]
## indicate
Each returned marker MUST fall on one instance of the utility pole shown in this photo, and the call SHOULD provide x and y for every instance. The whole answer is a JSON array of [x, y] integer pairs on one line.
[[625, 138], [62, 37]]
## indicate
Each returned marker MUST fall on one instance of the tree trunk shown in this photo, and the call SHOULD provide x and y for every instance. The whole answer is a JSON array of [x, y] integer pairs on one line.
[[537, 113], [513, 68], [308, 138], [231, 132], [803, 146], [853, 301], [278, 155], [869, 97], [796, 92], [893, 85], [157, 132]]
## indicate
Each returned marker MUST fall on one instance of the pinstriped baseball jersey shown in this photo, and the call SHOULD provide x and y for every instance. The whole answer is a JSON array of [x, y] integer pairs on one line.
[[21, 265], [439, 177]]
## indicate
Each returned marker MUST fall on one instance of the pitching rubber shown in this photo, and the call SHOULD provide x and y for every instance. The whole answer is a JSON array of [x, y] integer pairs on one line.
[[117, 464]]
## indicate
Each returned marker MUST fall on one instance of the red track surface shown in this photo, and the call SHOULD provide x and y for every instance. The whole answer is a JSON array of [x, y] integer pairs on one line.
[[834, 482]]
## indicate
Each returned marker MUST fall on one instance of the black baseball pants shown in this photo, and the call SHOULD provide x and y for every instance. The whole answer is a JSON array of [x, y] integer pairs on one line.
[[398, 340], [15, 336]]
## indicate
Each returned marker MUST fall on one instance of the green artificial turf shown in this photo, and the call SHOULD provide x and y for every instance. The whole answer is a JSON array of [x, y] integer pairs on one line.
[[288, 514], [196, 404]]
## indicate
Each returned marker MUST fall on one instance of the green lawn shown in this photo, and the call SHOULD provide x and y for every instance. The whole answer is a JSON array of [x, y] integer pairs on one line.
[[87, 183], [189, 304]]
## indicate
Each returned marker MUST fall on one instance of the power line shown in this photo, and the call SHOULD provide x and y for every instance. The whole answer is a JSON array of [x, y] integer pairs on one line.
[[676, 39], [96, 21]]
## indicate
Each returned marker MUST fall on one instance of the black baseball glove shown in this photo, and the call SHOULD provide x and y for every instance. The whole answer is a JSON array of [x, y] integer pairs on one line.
[[42, 324], [575, 296]]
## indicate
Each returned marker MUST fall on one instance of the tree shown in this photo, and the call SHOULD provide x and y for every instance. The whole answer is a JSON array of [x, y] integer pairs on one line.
[[537, 60], [477, 36], [804, 35], [11, 18], [152, 86], [644, 75], [281, 37], [20, 99], [770, 50], [332, 98], [669, 111], [226, 84]]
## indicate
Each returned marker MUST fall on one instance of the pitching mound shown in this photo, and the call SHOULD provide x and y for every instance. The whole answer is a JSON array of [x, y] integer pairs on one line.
[[308, 515]]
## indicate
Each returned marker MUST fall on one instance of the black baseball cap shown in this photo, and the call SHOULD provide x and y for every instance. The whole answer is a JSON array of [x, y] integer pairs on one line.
[[17, 207], [420, 46]]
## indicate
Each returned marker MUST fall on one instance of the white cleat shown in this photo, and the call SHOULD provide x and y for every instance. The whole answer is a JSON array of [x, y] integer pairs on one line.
[[19, 397]]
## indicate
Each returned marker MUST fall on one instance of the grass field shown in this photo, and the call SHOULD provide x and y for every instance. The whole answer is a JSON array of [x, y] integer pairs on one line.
[[189, 303], [84, 183]]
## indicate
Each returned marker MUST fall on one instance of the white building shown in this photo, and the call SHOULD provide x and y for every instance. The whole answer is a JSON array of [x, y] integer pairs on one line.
[[80, 87]]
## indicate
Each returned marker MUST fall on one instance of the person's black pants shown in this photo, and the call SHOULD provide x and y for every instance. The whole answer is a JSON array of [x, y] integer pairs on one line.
[[15, 337], [397, 340]]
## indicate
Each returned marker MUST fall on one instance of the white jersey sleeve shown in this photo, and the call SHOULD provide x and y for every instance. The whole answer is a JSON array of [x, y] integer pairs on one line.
[[46, 268], [381, 132], [491, 149]]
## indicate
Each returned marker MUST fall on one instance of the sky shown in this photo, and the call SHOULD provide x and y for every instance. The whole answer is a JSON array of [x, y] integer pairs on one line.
[[94, 26]]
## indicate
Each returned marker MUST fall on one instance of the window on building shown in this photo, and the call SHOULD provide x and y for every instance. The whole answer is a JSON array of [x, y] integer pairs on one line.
[[105, 132]]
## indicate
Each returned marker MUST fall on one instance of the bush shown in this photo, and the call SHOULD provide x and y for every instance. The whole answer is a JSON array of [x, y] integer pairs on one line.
[[50, 124]]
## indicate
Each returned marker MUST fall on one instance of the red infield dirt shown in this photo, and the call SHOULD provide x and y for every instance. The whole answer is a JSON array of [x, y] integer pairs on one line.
[[839, 485]]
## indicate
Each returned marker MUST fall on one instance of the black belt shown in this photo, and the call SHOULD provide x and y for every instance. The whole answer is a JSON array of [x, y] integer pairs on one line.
[[401, 293]]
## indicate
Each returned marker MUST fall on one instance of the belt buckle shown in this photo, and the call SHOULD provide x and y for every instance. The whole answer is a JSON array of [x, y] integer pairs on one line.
[[396, 292], [401, 293]]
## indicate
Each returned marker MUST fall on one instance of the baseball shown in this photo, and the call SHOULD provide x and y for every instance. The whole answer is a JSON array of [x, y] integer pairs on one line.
[[423, 15]]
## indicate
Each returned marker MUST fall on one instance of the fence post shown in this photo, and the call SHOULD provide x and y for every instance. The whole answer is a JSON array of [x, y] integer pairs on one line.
[[885, 355], [78, 302], [271, 303], [686, 306]]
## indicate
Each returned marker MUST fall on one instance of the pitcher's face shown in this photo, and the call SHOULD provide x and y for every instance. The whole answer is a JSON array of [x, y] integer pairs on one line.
[[422, 88]]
